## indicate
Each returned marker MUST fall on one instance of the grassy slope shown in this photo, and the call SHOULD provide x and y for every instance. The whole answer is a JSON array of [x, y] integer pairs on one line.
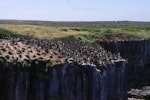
[[41, 31], [84, 33]]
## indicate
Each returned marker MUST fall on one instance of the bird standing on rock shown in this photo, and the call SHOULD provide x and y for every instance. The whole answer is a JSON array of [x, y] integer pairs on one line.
[[70, 60]]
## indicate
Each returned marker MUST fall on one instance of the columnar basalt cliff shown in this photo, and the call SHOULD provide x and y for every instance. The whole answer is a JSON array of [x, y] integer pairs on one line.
[[60, 69], [136, 52], [37, 80]]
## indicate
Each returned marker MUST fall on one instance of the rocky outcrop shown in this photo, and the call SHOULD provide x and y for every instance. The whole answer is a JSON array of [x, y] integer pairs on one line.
[[37, 80], [143, 93]]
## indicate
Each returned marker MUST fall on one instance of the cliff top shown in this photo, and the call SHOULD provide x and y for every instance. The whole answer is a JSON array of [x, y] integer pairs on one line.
[[17, 50], [58, 51], [118, 37]]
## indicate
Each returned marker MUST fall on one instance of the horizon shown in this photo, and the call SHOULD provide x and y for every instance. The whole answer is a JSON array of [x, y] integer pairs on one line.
[[70, 21], [71, 10]]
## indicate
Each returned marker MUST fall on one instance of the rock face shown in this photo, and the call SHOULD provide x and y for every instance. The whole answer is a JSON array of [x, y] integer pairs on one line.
[[60, 69], [136, 52], [62, 82]]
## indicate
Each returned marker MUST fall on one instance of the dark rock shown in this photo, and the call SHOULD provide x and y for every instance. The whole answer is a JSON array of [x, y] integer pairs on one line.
[[63, 82]]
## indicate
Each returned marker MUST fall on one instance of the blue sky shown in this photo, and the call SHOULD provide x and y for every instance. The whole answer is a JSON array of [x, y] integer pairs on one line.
[[76, 10]]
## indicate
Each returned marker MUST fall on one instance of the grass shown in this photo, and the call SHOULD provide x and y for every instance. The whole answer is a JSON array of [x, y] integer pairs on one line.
[[5, 32], [87, 29], [41, 31], [83, 33]]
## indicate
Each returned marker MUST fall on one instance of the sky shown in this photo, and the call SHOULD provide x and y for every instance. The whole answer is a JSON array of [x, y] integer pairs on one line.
[[76, 10]]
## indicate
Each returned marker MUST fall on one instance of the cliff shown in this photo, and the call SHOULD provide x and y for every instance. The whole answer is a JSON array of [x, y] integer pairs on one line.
[[68, 69], [59, 69], [137, 53], [38, 80]]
